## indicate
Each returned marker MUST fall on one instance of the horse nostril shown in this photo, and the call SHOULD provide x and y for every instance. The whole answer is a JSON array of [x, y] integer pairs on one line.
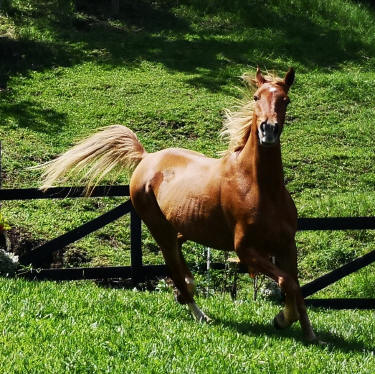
[[263, 127], [276, 129]]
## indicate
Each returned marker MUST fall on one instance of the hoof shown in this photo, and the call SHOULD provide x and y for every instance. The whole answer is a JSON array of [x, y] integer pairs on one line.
[[201, 317], [314, 340], [205, 319], [198, 314]]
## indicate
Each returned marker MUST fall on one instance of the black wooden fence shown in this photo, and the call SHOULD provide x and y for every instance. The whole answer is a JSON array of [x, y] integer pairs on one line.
[[136, 271], [139, 272]]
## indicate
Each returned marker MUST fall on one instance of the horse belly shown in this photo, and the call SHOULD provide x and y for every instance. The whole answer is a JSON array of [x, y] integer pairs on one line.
[[198, 218]]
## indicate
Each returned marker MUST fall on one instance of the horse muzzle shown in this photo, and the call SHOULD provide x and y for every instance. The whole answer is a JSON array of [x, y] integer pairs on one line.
[[268, 133]]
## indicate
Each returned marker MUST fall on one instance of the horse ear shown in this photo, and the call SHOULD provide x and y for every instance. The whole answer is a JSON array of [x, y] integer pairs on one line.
[[289, 77], [259, 79]]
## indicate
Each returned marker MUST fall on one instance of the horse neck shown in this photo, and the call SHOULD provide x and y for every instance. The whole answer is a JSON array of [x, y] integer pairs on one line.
[[263, 165]]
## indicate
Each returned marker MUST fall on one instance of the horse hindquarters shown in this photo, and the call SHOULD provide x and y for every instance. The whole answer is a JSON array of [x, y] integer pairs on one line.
[[166, 236]]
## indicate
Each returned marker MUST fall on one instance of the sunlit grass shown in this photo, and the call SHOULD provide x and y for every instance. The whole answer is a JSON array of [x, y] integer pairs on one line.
[[79, 327], [167, 70]]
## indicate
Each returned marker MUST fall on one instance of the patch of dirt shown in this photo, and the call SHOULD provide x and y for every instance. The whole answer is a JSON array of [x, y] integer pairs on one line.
[[172, 124], [22, 243], [75, 257]]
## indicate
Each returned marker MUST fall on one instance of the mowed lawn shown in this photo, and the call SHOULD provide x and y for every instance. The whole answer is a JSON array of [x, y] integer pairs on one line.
[[79, 327]]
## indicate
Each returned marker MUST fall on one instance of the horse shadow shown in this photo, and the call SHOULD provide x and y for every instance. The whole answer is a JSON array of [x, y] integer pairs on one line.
[[332, 342]]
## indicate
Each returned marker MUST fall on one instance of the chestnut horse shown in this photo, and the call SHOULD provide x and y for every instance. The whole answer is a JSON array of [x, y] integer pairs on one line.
[[235, 203]]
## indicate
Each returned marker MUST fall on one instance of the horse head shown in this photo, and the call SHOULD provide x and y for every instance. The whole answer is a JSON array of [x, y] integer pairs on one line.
[[271, 101]]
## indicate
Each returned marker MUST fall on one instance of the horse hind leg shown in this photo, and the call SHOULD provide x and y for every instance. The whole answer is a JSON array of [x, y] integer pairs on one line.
[[198, 314], [170, 243], [181, 276], [189, 279]]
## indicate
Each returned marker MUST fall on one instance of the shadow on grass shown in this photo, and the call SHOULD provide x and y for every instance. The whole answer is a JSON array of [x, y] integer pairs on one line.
[[29, 114], [254, 37], [333, 343], [248, 34], [22, 56], [212, 46]]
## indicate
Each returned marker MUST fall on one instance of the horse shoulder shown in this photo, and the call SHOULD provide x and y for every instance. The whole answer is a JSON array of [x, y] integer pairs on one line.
[[259, 218]]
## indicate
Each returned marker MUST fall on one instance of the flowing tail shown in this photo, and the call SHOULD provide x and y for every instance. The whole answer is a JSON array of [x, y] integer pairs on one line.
[[95, 157]]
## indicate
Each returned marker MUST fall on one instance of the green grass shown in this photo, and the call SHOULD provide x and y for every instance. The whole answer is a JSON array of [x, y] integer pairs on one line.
[[82, 328]]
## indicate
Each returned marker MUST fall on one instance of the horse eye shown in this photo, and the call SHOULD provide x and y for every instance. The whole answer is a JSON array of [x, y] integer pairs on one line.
[[256, 97]]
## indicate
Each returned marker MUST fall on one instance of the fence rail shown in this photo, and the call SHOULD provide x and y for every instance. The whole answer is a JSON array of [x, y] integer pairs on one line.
[[61, 192], [336, 223]]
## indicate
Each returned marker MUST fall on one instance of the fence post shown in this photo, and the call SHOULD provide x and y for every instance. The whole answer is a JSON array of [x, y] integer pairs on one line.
[[115, 7], [0, 167], [136, 246]]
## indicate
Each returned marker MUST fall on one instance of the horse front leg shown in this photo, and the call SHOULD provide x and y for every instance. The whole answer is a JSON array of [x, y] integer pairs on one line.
[[294, 309], [288, 263]]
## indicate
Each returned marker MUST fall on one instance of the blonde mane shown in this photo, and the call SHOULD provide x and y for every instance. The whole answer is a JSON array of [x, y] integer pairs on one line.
[[237, 122]]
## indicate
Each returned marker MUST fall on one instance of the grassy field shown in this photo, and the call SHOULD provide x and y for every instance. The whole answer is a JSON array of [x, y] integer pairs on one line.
[[45, 328], [167, 70]]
